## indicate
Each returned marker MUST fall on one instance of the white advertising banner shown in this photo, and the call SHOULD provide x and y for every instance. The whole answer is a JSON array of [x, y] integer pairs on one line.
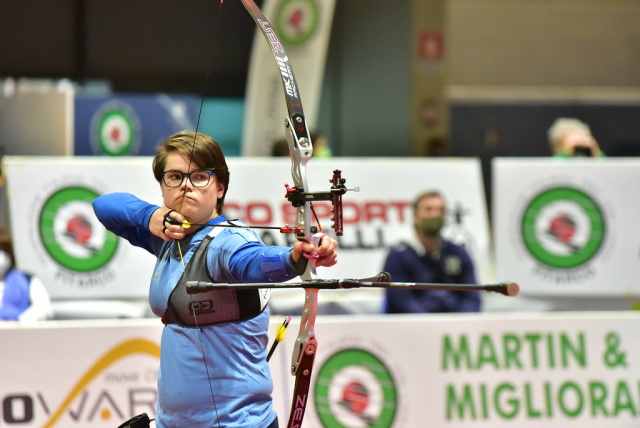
[[58, 237], [568, 226], [527, 370], [303, 27]]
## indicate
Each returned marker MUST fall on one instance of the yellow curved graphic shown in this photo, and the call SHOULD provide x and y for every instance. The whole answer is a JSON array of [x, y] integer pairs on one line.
[[133, 346]]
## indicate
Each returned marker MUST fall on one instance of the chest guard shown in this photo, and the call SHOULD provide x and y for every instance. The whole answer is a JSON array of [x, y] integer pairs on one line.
[[211, 307]]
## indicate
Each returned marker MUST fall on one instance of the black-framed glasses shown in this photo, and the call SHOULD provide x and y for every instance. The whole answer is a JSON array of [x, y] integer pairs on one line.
[[199, 177]]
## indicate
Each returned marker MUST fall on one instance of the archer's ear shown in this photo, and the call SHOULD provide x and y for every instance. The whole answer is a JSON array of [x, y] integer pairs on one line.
[[220, 190]]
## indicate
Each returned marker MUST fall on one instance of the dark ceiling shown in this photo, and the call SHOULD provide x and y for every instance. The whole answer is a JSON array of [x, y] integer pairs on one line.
[[137, 45]]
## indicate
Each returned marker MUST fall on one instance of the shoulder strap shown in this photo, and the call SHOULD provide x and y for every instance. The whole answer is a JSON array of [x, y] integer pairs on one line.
[[214, 306]]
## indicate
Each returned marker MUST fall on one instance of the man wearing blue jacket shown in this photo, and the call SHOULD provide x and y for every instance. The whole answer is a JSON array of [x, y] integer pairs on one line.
[[430, 259]]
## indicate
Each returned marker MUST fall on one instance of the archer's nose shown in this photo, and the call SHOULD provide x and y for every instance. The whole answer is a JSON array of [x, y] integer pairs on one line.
[[187, 185]]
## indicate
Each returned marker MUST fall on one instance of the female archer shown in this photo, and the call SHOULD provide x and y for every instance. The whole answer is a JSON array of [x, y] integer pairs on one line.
[[213, 369]]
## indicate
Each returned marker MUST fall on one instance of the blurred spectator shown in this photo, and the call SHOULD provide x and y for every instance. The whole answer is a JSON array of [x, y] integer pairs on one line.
[[571, 137], [321, 147], [22, 296], [431, 259]]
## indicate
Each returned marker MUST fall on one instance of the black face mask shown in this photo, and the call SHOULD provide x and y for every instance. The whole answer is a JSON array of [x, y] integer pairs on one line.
[[430, 226]]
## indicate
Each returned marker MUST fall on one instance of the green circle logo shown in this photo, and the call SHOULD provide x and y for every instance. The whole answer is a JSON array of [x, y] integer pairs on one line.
[[71, 234], [115, 130], [355, 389], [563, 227], [297, 20]]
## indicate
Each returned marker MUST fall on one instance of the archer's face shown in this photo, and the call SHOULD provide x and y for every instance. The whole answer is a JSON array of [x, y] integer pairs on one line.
[[197, 204]]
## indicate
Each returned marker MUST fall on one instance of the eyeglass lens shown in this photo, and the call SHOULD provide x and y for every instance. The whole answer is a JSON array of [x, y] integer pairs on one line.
[[199, 178]]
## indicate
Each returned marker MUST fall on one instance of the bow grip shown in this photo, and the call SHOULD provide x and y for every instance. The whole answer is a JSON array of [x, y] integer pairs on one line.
[[316, 238]]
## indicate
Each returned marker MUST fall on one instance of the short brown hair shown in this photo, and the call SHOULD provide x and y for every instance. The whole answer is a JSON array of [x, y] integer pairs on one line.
[[200, 149], [425, 195]]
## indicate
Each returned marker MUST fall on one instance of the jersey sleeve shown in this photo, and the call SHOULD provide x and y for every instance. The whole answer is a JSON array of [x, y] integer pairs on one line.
[[128, 217], [238, 255]]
